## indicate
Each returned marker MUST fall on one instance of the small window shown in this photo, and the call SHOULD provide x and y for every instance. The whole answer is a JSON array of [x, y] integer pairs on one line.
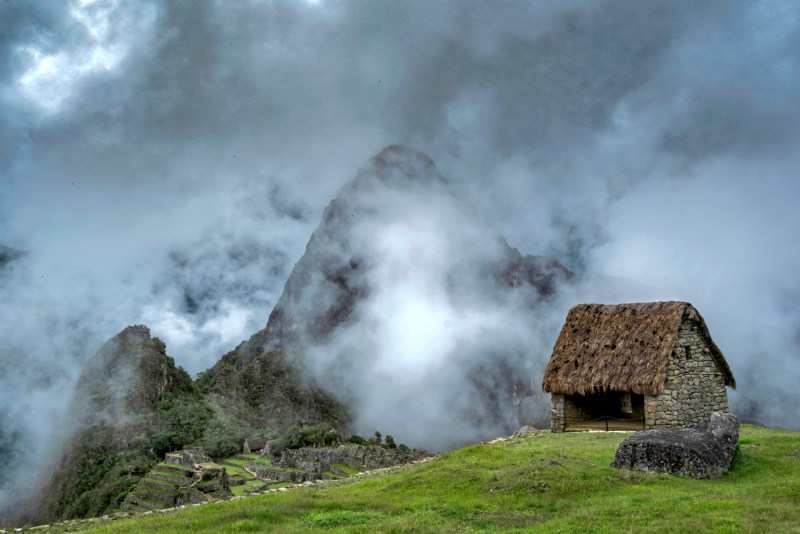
[[687, 350]]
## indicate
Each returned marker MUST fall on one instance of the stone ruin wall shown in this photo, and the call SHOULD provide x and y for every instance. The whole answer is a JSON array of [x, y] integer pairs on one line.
[[564, 412], [694, 386], [557, 423]]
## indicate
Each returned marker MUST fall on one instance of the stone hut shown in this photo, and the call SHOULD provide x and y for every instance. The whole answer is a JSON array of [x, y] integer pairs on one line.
[[253, 445], [635, 366]]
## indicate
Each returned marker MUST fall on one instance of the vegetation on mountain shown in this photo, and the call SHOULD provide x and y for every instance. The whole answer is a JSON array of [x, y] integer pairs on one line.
[[132, 405], [263, 388], [299, 436]]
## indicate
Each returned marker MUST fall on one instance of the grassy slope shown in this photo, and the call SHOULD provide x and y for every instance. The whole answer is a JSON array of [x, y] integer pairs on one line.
[[557, 482]]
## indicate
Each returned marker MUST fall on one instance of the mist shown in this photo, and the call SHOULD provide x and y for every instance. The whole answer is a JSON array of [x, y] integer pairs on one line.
[[166, 163]]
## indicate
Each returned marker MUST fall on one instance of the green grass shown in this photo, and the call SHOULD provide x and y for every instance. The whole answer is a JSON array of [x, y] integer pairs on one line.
[[346, 469], [236, 461], [179, 466], [210, 465], [548, 483], [263, 461], [239, 472], [243, 489]]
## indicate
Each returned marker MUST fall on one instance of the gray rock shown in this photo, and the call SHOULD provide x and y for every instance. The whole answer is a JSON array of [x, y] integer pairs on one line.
[[699, 450], [526, 431]]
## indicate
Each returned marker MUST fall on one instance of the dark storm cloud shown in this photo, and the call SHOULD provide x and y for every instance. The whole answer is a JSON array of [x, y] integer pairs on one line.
[[165, 162]]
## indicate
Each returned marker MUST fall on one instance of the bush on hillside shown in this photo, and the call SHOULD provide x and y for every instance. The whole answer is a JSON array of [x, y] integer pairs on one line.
[[306, 436], [375, 440], [355, 438]]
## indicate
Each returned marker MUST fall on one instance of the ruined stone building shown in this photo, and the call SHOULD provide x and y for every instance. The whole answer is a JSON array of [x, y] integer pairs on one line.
[[635, 366]]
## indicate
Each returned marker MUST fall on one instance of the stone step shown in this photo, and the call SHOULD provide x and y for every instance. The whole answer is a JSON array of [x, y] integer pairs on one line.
[[195, 496], [130, 507], [142, 500], [165, 497], [336, 471], [353, 464], [176, 469], [226, 462], [160, 485], [177, 480]]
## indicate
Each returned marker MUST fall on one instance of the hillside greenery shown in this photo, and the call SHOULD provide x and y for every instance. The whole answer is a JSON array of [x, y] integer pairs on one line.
[[544, 483], [267, 390], [132, 405]]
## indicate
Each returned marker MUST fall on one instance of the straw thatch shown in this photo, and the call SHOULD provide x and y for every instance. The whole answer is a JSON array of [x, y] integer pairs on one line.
[[621, 347], [253, 445]]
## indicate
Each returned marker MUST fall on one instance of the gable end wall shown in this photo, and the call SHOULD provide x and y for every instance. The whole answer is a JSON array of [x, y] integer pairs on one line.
[[694, 387]]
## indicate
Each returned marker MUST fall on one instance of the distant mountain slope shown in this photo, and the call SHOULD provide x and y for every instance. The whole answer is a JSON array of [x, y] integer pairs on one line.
[[263, 388], [129, 396], [132, 404]]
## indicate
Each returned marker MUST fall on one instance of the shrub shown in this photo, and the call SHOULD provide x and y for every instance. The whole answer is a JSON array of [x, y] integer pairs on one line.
[[389, 442], [306, 436], [375, 440], [358, 440], [164, 443]]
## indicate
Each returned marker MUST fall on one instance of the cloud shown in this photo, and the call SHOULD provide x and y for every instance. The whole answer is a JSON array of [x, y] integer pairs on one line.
[[167, 161]]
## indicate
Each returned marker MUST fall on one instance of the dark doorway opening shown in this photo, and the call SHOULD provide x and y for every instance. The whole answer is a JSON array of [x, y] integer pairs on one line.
[[611, 410]]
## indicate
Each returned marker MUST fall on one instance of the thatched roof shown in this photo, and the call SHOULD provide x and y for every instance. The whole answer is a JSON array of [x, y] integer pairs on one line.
[[621, 347], [254, 444]]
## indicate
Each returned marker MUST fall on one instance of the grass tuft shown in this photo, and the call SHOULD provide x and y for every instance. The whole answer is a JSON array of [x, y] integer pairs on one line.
[[339, 518]]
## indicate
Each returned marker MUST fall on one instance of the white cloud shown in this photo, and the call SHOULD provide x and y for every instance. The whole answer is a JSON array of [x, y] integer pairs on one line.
[[110, 31]]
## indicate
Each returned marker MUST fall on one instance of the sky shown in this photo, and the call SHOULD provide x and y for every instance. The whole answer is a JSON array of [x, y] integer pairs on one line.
[[165, 163]]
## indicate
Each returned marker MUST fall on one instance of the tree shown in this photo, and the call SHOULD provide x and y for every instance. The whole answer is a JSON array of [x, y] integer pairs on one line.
[[358, 440]]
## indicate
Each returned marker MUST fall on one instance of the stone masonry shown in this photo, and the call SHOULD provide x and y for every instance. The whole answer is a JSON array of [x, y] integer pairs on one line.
[[564, 412], [694, 387]]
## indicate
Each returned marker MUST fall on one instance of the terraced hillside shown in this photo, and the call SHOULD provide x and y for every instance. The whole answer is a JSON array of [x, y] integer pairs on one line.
[[166, 486], [191, 477]]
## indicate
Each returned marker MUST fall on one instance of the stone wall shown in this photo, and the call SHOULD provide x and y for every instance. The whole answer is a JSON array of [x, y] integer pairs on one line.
[[557, 413], [574, 413], [564, 412], [694, 386]]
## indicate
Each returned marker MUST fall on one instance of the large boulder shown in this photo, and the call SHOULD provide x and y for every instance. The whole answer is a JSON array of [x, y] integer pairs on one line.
[[700, 450]]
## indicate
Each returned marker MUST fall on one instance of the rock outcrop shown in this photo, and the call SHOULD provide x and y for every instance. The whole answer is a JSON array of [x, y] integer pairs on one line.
[[699, 450], [525, 431]]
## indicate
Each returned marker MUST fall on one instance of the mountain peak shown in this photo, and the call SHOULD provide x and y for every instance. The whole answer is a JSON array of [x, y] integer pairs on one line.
[[399, 162], [125, 376]]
